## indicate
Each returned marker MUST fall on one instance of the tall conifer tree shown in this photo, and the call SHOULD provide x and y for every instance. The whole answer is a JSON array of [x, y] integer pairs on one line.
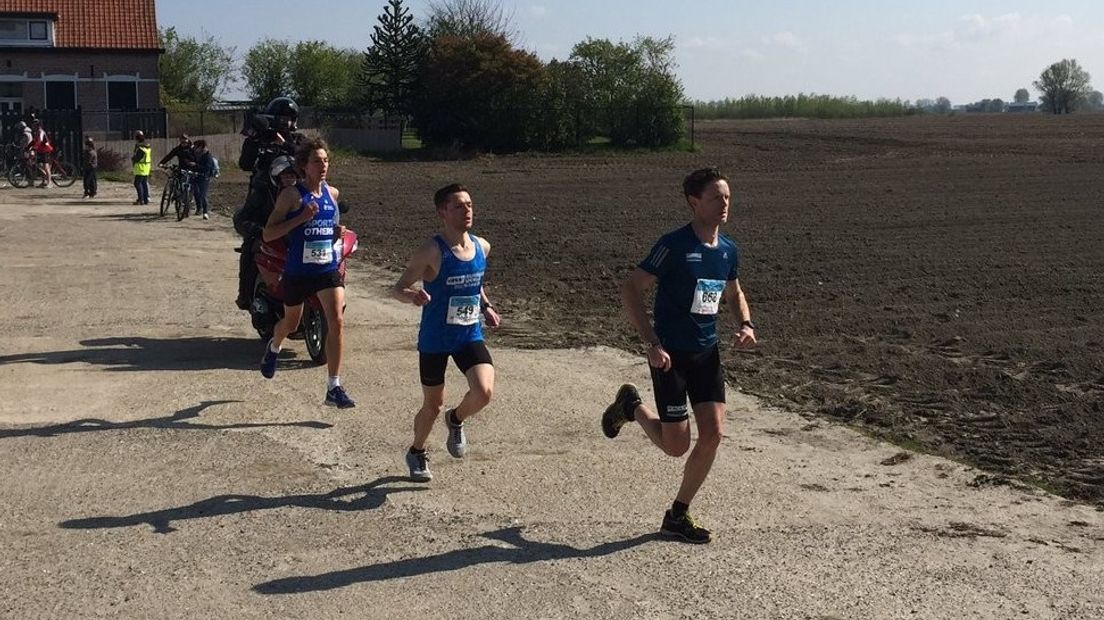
[[392, 62]]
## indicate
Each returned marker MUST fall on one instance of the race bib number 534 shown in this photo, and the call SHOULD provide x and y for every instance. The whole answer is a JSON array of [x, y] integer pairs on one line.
[[318, 252], [707, 296]]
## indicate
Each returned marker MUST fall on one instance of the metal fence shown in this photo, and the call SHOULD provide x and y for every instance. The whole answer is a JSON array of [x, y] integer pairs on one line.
[[63, 127]]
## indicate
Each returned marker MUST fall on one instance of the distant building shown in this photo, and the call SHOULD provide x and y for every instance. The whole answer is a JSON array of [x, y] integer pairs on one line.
[[99, 55], [1027, 106]]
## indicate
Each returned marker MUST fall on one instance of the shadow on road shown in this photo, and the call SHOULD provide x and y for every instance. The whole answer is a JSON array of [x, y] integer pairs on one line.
[[135, 217], [521, 551], [363, 497], [139, 353], [177, 421]]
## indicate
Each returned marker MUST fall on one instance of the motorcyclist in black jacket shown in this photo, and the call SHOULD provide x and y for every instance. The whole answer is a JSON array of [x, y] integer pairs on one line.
[[250, 219], [268, 136]]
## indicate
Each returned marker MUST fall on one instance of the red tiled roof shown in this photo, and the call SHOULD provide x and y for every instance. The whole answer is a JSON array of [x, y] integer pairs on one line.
[[108, 24]]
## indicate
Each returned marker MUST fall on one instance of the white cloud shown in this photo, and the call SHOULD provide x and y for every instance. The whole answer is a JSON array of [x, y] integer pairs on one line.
[[785, 39], [708, 43], [753, 54], [976, 29], [537, 10]]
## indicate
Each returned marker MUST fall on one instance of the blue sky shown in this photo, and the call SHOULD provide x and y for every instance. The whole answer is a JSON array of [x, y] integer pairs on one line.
[[962, 49]]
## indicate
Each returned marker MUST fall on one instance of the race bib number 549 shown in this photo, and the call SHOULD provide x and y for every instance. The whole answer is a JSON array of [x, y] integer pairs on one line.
[[463, 310], [707, 296]]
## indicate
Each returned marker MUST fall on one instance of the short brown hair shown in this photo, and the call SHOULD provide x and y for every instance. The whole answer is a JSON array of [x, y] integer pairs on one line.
[[696, 182], [200, 144], [303, 153], [441, 196]]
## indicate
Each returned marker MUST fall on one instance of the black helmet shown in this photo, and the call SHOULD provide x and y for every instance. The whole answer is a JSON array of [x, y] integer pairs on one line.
[[279, 166], [283, 106]]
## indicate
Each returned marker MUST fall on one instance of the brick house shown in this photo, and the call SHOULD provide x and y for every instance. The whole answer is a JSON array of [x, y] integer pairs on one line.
[[99, 55]]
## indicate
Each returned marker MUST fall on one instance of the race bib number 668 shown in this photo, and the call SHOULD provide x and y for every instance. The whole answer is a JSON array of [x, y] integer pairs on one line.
[[707, 296]]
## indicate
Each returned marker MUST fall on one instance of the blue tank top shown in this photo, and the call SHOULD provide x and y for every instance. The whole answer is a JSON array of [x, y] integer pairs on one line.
[[311, 244], [451, 318]]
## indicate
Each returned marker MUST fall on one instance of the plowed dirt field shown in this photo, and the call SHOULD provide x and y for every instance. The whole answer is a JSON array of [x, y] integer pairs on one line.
[[935, 280]]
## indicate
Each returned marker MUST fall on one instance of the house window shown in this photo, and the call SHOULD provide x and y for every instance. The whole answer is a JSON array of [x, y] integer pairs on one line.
[[61, 95], [122, 95], [12, 29], [32, 32]]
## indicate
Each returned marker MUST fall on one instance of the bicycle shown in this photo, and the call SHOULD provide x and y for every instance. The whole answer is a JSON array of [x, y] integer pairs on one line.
[[10, 155], [28, 170], [177, 192]]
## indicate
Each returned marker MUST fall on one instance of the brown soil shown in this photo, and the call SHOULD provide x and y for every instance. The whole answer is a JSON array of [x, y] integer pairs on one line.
[[936, 281]]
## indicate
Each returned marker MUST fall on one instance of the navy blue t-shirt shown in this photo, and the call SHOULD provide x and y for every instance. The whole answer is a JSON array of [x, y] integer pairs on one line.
[[691, 280]]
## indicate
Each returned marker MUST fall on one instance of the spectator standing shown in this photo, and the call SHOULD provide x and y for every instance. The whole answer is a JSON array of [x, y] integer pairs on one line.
[[143, 163], [89, 164], [205, 171]]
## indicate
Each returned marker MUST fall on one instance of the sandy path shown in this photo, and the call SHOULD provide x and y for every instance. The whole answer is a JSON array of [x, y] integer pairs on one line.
[[151, 472]]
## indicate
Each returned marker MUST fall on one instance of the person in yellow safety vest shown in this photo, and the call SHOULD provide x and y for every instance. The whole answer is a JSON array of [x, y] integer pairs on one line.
[[143, 164]]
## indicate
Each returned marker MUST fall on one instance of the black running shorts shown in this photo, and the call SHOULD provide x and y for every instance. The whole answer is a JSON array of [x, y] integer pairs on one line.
[[432, 366], [298, 288], [696, 374]]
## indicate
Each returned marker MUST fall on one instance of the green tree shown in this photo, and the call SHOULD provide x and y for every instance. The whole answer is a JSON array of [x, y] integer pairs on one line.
[[1022, 96], [468, 18], [322, 75], [193, 71], [1063, 85], [478, 92], [560, 113], [267, 70], [390, 70], [631, 92]]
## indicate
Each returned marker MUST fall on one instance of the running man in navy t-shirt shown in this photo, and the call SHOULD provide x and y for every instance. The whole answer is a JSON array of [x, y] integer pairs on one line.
[[695, 270], [450, 267]]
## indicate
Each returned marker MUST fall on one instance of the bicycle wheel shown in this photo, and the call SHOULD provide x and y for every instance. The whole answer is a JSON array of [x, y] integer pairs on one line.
[[62, 173], [184, 194], [178, 203], [166, 198], [20, 176]]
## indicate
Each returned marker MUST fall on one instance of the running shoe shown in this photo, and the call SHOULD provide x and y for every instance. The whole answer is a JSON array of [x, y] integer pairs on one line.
[[268, 362], [336, 397], [457, 442], [614, 417], [418, 462], [684, 529]]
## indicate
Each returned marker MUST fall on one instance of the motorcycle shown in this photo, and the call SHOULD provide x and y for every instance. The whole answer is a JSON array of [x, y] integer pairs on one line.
[[267, 306]]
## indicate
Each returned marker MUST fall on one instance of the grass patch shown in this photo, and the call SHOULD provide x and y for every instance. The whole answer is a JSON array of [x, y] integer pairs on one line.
[[112, 175]]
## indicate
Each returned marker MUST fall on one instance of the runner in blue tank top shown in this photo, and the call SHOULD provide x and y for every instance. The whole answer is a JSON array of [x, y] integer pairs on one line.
[[451, 267], [308, 217], [695, 271]]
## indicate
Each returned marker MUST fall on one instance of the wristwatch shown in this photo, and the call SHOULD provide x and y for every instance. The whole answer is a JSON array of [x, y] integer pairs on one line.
[[744, 324]]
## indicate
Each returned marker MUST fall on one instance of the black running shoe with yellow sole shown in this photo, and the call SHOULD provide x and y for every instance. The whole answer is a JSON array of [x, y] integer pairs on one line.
[[620, 412], [684, 529]]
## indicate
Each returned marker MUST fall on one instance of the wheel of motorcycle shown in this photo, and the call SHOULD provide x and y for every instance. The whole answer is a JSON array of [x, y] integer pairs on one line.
[[264, 321], [314, 333]]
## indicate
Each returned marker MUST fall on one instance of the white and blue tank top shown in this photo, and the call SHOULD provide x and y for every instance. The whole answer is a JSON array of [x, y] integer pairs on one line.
[[451, 319], [311, 244]]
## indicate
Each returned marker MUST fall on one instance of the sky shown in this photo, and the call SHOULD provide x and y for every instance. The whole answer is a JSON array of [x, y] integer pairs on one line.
[[966, 50]]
